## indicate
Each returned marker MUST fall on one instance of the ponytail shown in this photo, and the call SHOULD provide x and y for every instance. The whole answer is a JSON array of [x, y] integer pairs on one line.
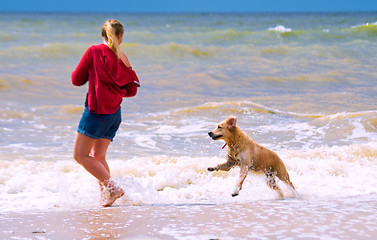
[[110, 31]]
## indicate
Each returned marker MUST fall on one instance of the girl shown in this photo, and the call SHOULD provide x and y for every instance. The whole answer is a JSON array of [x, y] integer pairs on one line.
[[110, 78]]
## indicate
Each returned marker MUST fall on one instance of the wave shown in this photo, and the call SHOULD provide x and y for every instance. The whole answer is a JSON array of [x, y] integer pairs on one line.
[[285, 32], [272, 35], [160, 179], [324, 34], [184, 49], [280, 28], [184, 129], [316, 33], [369, 28], [61, 50], [227, 35], [56, 49], [271, 126], [202, 45], [282, 50], [249, 107], [62, 108], [274, 127], [2, 83], [243, 107], [11, 114], [9, 81]]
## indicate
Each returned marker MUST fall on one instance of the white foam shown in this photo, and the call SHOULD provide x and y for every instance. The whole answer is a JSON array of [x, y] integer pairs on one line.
[[280, 28], [321, 172], [146, 141]]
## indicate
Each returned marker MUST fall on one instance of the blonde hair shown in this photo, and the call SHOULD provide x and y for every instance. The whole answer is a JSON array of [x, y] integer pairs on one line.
[[110, 31]]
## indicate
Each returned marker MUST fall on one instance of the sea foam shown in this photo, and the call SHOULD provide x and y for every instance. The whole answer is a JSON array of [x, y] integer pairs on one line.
[[162, 179], [280, 28]]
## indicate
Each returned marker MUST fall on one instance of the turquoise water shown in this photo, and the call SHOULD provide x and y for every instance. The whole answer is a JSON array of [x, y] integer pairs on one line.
[[302, 85]]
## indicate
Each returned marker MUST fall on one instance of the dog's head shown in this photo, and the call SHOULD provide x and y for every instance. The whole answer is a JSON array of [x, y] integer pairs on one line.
[[224, 129]]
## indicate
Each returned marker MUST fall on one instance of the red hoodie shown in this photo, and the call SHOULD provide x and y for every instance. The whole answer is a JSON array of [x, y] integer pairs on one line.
[[109, 79]]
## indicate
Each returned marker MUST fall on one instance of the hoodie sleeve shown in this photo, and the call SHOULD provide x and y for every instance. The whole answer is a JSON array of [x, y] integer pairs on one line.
[[131, 87], [133, 76], [81, 74]]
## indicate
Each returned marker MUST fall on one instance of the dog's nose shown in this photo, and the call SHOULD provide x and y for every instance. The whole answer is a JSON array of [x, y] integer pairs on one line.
[[210, 134]]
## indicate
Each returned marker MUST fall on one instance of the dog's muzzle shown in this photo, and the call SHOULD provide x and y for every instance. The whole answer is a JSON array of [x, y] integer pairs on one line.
[[213, 136]]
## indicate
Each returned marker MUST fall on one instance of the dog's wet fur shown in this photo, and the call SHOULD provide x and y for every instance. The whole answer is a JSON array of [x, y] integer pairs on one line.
[[249, 156]]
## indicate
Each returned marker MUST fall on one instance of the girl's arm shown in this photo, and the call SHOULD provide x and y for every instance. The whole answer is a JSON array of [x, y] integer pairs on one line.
[[80, 75]]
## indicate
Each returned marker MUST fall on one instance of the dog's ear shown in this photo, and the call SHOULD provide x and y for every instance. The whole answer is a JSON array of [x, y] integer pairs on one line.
[[231, 121]]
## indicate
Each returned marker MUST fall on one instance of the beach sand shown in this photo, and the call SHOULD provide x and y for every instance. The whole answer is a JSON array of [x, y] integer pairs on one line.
[[349, 218]]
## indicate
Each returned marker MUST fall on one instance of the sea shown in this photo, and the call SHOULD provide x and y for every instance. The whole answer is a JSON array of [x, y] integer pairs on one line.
[[301, 84]]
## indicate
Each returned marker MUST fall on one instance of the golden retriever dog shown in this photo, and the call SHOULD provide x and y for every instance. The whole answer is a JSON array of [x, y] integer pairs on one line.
[[249, 156]]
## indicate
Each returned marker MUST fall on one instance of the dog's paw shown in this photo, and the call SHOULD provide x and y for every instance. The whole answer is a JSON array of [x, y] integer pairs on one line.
[[234, 194], [211, 169]]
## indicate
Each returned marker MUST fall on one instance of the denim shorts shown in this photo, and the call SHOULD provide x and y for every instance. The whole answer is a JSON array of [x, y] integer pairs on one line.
[[98, 126]]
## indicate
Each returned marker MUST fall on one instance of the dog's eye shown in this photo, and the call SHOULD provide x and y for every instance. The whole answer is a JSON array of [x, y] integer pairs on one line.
[[218, 127]]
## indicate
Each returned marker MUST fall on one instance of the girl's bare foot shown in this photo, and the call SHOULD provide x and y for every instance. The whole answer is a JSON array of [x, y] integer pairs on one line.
[[115, 192], [113, 196], [104, 194]]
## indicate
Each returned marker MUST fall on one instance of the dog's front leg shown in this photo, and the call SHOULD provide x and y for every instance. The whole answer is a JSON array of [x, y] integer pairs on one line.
[[223, 167], [243, 173]]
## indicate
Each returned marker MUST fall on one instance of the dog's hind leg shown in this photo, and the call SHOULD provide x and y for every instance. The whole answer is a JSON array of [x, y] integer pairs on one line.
[[243, 173], [272, 183], [282, 174]]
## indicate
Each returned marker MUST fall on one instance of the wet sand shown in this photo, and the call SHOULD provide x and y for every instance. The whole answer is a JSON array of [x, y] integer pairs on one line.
[[348, 218]]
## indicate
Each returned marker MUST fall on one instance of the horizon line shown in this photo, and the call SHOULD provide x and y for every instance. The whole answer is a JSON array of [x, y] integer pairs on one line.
[[186, 12]]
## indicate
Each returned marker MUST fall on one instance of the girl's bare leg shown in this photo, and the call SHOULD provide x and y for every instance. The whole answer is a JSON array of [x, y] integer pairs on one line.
[[91, 154], [81, 153], [98, 151]]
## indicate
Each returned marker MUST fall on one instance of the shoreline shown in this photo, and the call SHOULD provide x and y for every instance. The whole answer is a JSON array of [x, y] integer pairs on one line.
[[346, 218]]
